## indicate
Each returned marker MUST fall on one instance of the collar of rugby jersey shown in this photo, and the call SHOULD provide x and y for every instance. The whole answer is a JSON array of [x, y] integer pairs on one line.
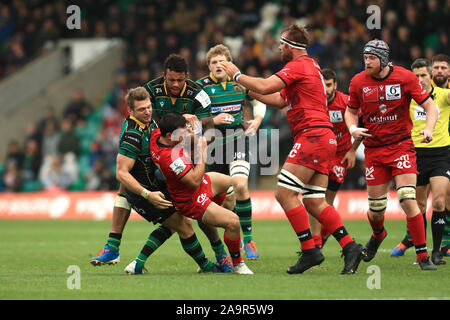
[[174, 99], [223, 83], [142, 125]]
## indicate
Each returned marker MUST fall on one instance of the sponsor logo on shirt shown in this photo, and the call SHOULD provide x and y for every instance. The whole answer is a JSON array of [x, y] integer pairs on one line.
[[421, 115], [178, 166], [393, 92], [381, 119], [227, 108], [370, 94], [335, 116], [203, 98]]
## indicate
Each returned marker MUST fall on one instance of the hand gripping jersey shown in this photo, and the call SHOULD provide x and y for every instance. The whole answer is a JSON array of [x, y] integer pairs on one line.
[[192, 99], [304, 94], [226, 97], [336, 111], [384, 104], [134, 144]]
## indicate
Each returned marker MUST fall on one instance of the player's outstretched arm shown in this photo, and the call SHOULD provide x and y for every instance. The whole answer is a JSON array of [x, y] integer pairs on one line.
[[260, 85], [273, 100]]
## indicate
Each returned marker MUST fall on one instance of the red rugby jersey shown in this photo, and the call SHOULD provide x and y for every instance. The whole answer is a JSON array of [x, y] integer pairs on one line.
[[384, 104], [304, 94], [336, 111], [174, 163]]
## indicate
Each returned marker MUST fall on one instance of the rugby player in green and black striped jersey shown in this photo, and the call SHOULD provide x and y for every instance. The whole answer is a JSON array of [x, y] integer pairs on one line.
[[144, 193], [230, 151], [175, 93]]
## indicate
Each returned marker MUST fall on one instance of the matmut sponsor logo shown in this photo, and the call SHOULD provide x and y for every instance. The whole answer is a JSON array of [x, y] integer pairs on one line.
[[383, 119]]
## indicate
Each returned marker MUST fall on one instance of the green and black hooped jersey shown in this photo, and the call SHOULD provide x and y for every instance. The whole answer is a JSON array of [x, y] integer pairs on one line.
[[135, 144], [192, 99], [226, 97]]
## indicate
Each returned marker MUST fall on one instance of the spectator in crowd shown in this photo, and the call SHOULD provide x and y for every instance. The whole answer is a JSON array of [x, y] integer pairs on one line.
[[107, 180], [69, 166], [49, 116], [78, 107], [31, 161], [52, 175], [92, 178], [68, 140], [50, 139], [12, 178], [14, 154]]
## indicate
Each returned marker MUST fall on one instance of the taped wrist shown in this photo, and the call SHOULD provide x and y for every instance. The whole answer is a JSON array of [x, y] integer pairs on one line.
[[145, 193]]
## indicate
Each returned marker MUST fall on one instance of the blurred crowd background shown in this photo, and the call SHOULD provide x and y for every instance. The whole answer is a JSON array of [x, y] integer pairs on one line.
[[48, 155]]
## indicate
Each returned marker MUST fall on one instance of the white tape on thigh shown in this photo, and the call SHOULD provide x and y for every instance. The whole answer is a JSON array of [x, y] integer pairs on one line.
[[406, 193], [378, 204], [310, 191], [239, 168], [121, 202], [290, 181]]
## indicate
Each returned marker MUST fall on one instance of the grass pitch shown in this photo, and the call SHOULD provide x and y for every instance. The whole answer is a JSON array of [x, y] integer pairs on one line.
[[35, 257]]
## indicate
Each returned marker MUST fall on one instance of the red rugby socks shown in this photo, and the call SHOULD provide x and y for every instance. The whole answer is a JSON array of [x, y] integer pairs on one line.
[[415, 226], [234, 247], [331, 220], [298, 218], [378, 227]]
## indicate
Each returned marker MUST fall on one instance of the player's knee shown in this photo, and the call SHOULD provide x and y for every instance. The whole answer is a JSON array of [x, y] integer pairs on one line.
[[233, 224], [378, 205], [280, 196], [438, 204], [422, 206], [407, 192], [185, 229], [188, 224], [288, 186], [240, 189], [229, 202]]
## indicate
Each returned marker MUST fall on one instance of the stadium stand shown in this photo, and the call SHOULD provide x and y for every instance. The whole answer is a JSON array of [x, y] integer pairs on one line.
[[153, 29]]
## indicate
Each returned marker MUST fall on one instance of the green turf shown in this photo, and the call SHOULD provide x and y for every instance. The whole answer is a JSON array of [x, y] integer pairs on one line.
[[35, 255]]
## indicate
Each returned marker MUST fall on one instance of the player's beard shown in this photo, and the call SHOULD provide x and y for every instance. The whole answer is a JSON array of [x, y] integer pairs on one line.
[[286, 56], [331, 96], [372, 72], [439, 81]]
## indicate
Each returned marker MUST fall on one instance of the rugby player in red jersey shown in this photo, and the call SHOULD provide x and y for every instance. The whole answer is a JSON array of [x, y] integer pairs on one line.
[[382, 93], [299, 86], [345, 152], [195, 194]]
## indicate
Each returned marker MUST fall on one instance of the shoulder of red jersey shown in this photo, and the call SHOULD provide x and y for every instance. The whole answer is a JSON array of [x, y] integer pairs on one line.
[[342, 96], [358, 77], [340, 101]]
